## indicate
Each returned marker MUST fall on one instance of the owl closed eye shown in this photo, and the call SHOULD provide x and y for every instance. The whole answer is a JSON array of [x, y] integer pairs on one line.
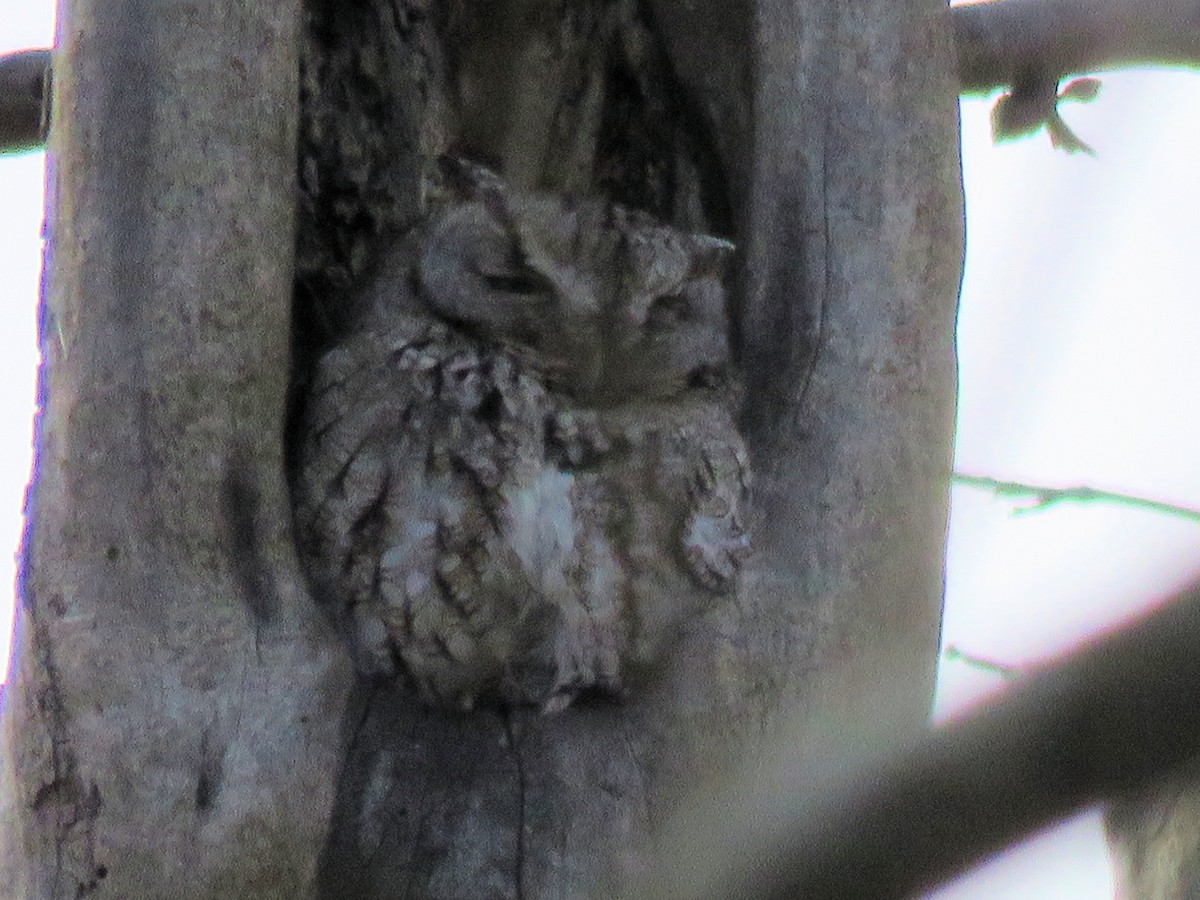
[[617, 306]]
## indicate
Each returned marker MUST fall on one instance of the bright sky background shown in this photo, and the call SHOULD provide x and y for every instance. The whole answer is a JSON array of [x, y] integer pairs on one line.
[[1078, 340], [1078, 334], [23, 23]]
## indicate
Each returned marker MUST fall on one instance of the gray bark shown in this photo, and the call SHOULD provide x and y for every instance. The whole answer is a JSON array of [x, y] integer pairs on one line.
[[171, 724], [174, 718], [24, 110], [851, 249]]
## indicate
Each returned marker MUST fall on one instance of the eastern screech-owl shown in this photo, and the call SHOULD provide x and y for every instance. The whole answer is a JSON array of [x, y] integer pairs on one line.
[[521, 477]]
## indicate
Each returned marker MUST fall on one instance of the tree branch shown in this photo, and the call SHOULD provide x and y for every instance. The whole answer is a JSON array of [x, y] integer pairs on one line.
[[158, 504], [1002, 40], [23, 98], [1119, 715], [999, 42], [1039, 497]]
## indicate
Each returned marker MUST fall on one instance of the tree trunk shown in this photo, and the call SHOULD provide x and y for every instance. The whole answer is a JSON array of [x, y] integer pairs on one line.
[[820, 137], [839, 182], [172, 719]]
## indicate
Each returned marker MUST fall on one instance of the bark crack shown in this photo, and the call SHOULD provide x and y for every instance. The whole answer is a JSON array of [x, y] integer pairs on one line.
[[73, 807], [643, 791], [241, 509], [511, 732], [823, 306]]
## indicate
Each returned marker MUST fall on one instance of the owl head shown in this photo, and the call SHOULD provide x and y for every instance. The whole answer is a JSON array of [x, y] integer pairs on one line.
[[610, 304]]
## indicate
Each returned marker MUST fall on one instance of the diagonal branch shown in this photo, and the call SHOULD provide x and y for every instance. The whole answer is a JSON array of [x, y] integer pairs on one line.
[[1116, 716]]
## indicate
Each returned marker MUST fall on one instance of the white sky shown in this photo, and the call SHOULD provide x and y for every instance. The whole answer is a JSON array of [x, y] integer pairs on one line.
[[1077, 339], [23, 23], [1078, 335]]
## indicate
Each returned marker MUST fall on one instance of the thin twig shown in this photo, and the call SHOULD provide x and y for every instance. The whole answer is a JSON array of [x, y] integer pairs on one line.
[[1039, 497], [954, 654]]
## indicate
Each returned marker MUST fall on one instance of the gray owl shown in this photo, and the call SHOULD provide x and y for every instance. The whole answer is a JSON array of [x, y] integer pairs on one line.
[[520, 477]]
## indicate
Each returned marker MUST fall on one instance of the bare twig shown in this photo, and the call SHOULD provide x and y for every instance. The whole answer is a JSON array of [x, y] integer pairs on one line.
[[955, 654], [1116, 716], [1039, 497]]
